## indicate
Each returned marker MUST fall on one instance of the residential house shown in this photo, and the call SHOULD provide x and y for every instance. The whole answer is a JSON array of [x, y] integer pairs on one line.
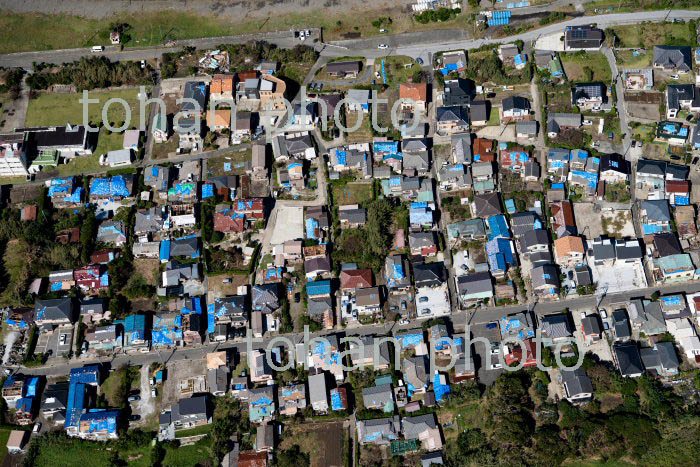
[[638, 79], [673, 133], [515, 109], [681, 96], [479, 113], [526, 129], [591, 329], [461, 144], [70, 140], [364, 355], [423, 243], [415, 373], [483, 177], [563, 218], [558, 163], [396, 273], [272, 92], [422, 428], [451, 120], [222, 87], [656, 216], [674, 268], [474, 287], [191, 412], [380, 397], [99, 425], [545, 281], [673, 58], [684, 333], [347, 69], [358, 100], [317, 267], [292, 399], [159, 128], [264, 438], [661, 359], [585, 37], [112, 232], [628, 360], [621, 325], [568, 251], [416, 95], [486, 205], [577, 385], [381, 431], [472, 229], [318, 392], [265, 298], [534, 241], [458, 92], [14, 159], [558, 122], [353, 279], [219, 119], [158, 177], [678, 192], [54, 312], [368, 301], [685, 221], [588, 95], [614, 168]]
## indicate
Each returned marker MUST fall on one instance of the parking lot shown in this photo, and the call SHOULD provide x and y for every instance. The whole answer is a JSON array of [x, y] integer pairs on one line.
[[55, 343]]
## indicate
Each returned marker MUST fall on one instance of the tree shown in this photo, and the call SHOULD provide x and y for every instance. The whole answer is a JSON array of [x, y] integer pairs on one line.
[[293, 457]]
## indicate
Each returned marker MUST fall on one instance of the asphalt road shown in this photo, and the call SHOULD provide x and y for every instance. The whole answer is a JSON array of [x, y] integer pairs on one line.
[[459, 319]]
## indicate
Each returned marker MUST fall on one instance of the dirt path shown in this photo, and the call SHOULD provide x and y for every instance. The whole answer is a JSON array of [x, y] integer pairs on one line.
[[14, 112]]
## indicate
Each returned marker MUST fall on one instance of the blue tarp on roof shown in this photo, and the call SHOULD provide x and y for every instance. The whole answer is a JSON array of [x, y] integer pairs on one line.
[[211, 319], [650, 229], [60, 185], [557, 186], [510, 206], [520, 59], [89, 374], [30, 387], [115, 186], [207, 191], [508, 324], [165, 250], [101, 420], [336, 400], [681, 200], [311, 227], [322, 287], [441, 390], [672, 300], [410, 340], [75, 404], [578, 153], [386, 146], [56, 286], [498, 227], [590, 177]]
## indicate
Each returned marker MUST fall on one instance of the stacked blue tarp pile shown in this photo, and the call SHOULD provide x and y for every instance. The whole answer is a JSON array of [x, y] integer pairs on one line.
[[207, 191], [499, 18]]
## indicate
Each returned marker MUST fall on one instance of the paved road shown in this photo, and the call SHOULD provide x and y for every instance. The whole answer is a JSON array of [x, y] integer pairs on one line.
[[620, 104], [26, 59], [409, 45], [459, 319]]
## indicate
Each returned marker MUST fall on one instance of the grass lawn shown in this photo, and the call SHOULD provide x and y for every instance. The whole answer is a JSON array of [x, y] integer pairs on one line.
[[559, 99], [399, 69], [215, 165], [152, 28], [352, 193], [186, 456], [199, 430], [643, 132], [294, 71], [575, 63], [651, 34], [4, 436], [67, 453], [494, 118], [626, 59]]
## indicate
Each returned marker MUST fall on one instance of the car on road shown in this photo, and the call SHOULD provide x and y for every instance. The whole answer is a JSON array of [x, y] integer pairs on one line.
[[419, 60], [403, 305], [154, 392], [587, 122], [135, 418], [404, 322], [97, 48], [393, 308], [675, 158], [675, 77], [37, 427], [382, 46], [634, 144], [382, 31], [134, 398], [695, 160], [603, 314], [143, 64], [583, 314], [319, 87], [641, 143], [689, 118]]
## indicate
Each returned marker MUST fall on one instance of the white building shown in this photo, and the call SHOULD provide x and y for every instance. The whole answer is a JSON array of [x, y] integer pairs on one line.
[[13, 155]]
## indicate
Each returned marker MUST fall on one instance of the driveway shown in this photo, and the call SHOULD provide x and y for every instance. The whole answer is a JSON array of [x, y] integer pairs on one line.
[[14, 112], [145, 406]]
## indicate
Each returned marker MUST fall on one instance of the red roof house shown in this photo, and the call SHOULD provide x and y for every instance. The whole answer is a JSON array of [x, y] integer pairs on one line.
[[356, 279]]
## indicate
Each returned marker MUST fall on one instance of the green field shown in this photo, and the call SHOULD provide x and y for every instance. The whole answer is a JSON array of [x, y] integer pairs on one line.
[[651, 34], [398, 68], [352, 193], [575, 65], [154, 28], [59, 109], [51, 455], [187, 456], [627, 60]]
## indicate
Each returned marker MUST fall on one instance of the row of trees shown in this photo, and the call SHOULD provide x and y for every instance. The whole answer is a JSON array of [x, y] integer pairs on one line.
[[92, 72]]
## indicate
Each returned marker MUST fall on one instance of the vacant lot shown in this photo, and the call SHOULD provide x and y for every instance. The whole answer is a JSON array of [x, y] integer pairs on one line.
[[617, 224], [399, 69], [352, 193], [59, 109], [76, 452], [578, 66], [361, 134], [651, 34], [217, 288], [322, 441], [234, 163], [627, 59]]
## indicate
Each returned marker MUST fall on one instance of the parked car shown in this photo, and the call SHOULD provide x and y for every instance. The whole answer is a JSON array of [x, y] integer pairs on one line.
[[675, 77], [154, 392], [634, 143], [37, 427], [403, 305], [587, 122], [135, 418], [695, 160], [97, 48], [393, 308], [382, 46], [419, 60], [603, 314], [134, 398], [404, 322]]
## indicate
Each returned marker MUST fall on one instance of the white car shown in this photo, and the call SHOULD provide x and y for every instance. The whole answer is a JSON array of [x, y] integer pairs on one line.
[[675, 77], [382, 46], [587, 122], [603, 314], [37, 427]]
